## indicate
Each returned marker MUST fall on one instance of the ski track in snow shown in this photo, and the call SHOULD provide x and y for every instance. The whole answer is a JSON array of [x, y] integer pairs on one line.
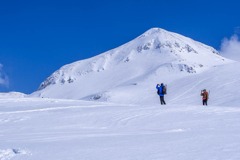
[[188, 90], [12, 119], [48, 109], [122, 119], [231, 82]]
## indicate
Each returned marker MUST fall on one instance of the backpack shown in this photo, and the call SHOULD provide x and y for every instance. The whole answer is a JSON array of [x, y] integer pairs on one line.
[[164, 91]]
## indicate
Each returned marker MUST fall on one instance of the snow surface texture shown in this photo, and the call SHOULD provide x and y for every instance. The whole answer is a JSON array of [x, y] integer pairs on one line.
[[10, 153], [129, 73], [40, 129]]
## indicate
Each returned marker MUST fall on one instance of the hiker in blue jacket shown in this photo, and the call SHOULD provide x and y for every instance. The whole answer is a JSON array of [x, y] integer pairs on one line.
[[161, 90]]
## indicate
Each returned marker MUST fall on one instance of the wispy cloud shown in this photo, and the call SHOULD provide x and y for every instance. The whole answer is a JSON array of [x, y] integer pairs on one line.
[[3, 77], [230, 48]]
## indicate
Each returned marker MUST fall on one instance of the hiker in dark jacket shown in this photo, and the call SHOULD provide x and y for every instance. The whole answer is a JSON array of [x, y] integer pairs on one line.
[[161, 91]]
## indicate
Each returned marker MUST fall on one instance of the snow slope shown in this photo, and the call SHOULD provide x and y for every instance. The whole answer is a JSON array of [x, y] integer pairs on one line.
[[40, 129], [133, 69]]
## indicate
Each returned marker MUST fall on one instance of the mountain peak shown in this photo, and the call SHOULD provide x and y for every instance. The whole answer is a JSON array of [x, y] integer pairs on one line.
[[155, 32], [142, 60]]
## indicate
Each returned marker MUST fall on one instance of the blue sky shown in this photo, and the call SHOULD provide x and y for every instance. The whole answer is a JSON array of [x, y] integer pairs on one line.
[[38, 37]]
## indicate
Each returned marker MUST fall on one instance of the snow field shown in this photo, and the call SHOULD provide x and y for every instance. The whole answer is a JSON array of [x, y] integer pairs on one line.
[[63, 129]]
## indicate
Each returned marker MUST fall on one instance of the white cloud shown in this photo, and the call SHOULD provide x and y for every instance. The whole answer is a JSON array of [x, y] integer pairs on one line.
[[230, 48], [3, 77]]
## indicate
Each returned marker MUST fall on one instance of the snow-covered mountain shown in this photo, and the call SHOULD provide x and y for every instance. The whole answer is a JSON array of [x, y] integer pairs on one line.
[[132, 70], [139, 128]]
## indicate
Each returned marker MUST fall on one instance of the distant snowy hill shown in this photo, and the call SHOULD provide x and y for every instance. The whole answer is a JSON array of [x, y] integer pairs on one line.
[[12, 95], [129, 73]]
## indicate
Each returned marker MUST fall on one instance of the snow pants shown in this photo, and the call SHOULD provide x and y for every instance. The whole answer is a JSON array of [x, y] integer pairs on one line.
[[162, 100], [204, 102]]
